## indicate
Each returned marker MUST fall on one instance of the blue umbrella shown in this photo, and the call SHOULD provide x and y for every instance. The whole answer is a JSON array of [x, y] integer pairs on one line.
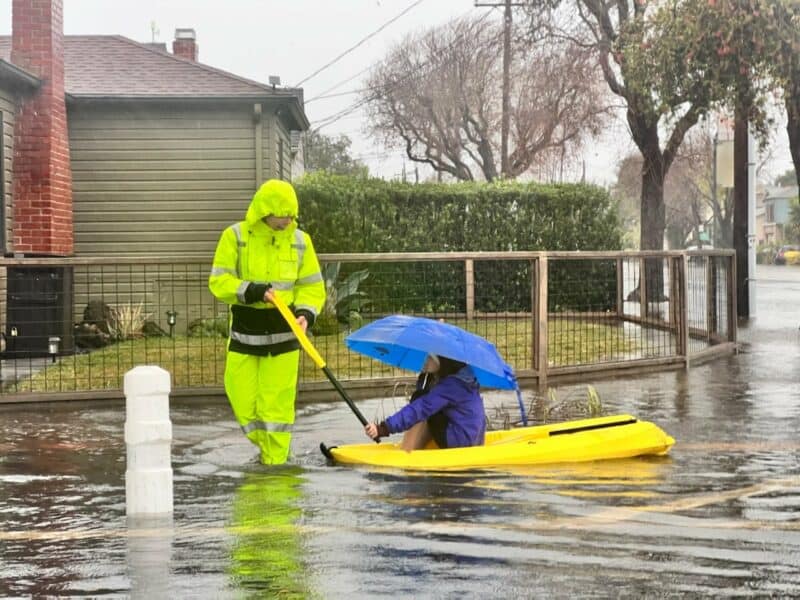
[[404, 342]]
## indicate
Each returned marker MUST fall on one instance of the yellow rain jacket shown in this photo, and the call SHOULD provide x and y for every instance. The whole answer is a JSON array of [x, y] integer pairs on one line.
[[250, 252], [262, 361]]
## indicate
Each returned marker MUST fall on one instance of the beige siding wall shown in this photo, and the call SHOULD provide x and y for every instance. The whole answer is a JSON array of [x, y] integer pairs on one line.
[[277, 149], [159, 180], [8, 108]]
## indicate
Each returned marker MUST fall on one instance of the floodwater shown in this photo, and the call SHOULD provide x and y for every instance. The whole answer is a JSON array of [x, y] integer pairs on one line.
[[719, 516]]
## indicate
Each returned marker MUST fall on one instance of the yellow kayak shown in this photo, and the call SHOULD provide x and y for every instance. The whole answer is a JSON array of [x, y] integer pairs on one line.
[[619, 436]]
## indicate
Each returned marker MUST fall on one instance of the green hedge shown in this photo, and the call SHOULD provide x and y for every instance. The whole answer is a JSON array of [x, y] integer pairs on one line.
[[347, 214]]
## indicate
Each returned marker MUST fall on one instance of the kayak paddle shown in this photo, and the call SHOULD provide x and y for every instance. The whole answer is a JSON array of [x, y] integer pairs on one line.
[[291, 320]]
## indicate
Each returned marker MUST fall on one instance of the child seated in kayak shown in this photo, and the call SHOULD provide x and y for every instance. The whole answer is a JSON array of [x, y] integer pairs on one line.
[[450, 411]]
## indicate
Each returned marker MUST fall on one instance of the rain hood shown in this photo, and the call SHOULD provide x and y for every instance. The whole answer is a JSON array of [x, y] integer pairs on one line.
[[274, 197]]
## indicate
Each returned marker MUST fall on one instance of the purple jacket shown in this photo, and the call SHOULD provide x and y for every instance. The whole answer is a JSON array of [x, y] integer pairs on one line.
[[457, 398]]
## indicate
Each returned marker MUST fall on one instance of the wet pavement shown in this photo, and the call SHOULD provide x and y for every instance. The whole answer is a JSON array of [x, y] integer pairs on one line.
[[719, 516]]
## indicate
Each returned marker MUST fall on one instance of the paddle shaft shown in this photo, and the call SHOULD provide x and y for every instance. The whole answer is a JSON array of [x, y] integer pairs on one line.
[[315, 356], [344, 395]]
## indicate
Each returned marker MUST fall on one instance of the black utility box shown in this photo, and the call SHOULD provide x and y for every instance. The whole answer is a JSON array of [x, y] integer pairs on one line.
[[39, 305]]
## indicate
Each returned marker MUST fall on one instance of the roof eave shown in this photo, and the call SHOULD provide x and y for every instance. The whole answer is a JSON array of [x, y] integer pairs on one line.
[[18, 77], [296, 112]]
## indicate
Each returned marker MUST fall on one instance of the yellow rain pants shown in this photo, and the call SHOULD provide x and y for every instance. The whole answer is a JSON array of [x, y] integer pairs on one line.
[[262, 390]]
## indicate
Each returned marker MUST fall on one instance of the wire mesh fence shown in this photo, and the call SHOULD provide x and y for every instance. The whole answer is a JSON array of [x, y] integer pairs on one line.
[[77, 325]]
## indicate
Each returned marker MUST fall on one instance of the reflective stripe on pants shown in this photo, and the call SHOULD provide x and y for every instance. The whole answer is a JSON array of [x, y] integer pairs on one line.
[[261, 390]]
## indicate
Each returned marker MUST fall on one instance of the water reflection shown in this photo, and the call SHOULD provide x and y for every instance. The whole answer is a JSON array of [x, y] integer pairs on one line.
[[627, 479], [267, 550], [428, 497], [149, 556]]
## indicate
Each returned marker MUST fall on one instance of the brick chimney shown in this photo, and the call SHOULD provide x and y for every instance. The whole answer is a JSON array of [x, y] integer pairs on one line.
[[42, 174], [185, 44]]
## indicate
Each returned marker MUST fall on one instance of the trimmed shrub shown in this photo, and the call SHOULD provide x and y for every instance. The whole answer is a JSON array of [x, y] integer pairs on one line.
[[349, 215]]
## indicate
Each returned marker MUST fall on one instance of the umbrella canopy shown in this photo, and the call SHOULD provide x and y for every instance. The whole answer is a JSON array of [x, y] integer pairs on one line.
[[404, 342]]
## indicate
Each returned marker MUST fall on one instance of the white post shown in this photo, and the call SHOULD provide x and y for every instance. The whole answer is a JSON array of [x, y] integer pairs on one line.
[[751, 220], [148, 435]]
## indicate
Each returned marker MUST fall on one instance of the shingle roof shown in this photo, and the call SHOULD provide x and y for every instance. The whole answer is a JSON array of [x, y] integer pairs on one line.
[[113, 66]]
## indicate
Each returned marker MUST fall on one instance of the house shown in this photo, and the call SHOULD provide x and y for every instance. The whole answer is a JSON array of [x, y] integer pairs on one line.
[[777, 204], [113, 148], [118, 147], [760, 214]]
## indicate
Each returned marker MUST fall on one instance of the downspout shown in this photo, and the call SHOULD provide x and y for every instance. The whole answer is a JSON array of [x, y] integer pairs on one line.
[[258, 134]]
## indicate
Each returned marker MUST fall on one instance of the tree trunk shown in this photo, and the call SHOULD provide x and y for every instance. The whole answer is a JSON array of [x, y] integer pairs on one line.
[[724, 216], [651, 233], [653, 224], [793, 126]]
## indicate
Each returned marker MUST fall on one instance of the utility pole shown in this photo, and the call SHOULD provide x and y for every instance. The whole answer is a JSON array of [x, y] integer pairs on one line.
[[506, 103], [506, 66], [744, 215]]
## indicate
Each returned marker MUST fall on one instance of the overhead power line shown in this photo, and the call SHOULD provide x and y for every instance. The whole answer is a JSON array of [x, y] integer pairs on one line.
[[341, 83], [378, 90], [360, 42], [336, 95]]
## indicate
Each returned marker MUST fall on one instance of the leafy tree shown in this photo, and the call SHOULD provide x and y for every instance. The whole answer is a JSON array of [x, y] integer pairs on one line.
[[621, 35], [733, 54], [332, 154], [788, 179], [786, 69], [792, 230]]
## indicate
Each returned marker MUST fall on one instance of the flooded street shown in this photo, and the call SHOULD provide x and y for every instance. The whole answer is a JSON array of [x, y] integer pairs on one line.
[[719, 516]]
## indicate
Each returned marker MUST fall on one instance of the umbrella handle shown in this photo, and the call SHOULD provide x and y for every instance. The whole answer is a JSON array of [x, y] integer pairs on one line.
[[315, 356]]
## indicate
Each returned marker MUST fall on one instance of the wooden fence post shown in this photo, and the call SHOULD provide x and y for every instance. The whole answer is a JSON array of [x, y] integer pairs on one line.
[[469, 272], [620, 289], [540, 329], [683, 343]]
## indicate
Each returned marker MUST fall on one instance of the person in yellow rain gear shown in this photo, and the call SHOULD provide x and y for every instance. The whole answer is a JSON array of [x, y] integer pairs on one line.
[[263, 255]]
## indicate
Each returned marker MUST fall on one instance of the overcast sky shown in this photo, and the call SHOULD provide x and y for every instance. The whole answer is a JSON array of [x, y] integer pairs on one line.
[[295, 38]]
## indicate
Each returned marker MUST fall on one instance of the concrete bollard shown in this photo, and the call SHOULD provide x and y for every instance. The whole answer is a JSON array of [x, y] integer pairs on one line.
[[148, 435]]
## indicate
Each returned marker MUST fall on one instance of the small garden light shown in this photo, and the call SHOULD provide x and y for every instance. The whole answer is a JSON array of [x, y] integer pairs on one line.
[[52, 346], [172, 318], [13, 332]]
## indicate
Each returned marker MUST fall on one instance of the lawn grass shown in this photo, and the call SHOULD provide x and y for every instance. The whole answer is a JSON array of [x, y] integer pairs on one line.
[[200, 361]]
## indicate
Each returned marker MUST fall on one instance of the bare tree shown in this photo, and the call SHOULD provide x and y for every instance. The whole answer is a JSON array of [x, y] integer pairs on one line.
[[689, 192], [438, 96]]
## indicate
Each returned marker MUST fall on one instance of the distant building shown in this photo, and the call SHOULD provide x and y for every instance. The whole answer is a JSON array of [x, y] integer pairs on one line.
[[777, 204]]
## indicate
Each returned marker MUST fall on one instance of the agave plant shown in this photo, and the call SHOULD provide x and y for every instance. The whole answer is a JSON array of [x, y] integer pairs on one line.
[[344, 301]]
